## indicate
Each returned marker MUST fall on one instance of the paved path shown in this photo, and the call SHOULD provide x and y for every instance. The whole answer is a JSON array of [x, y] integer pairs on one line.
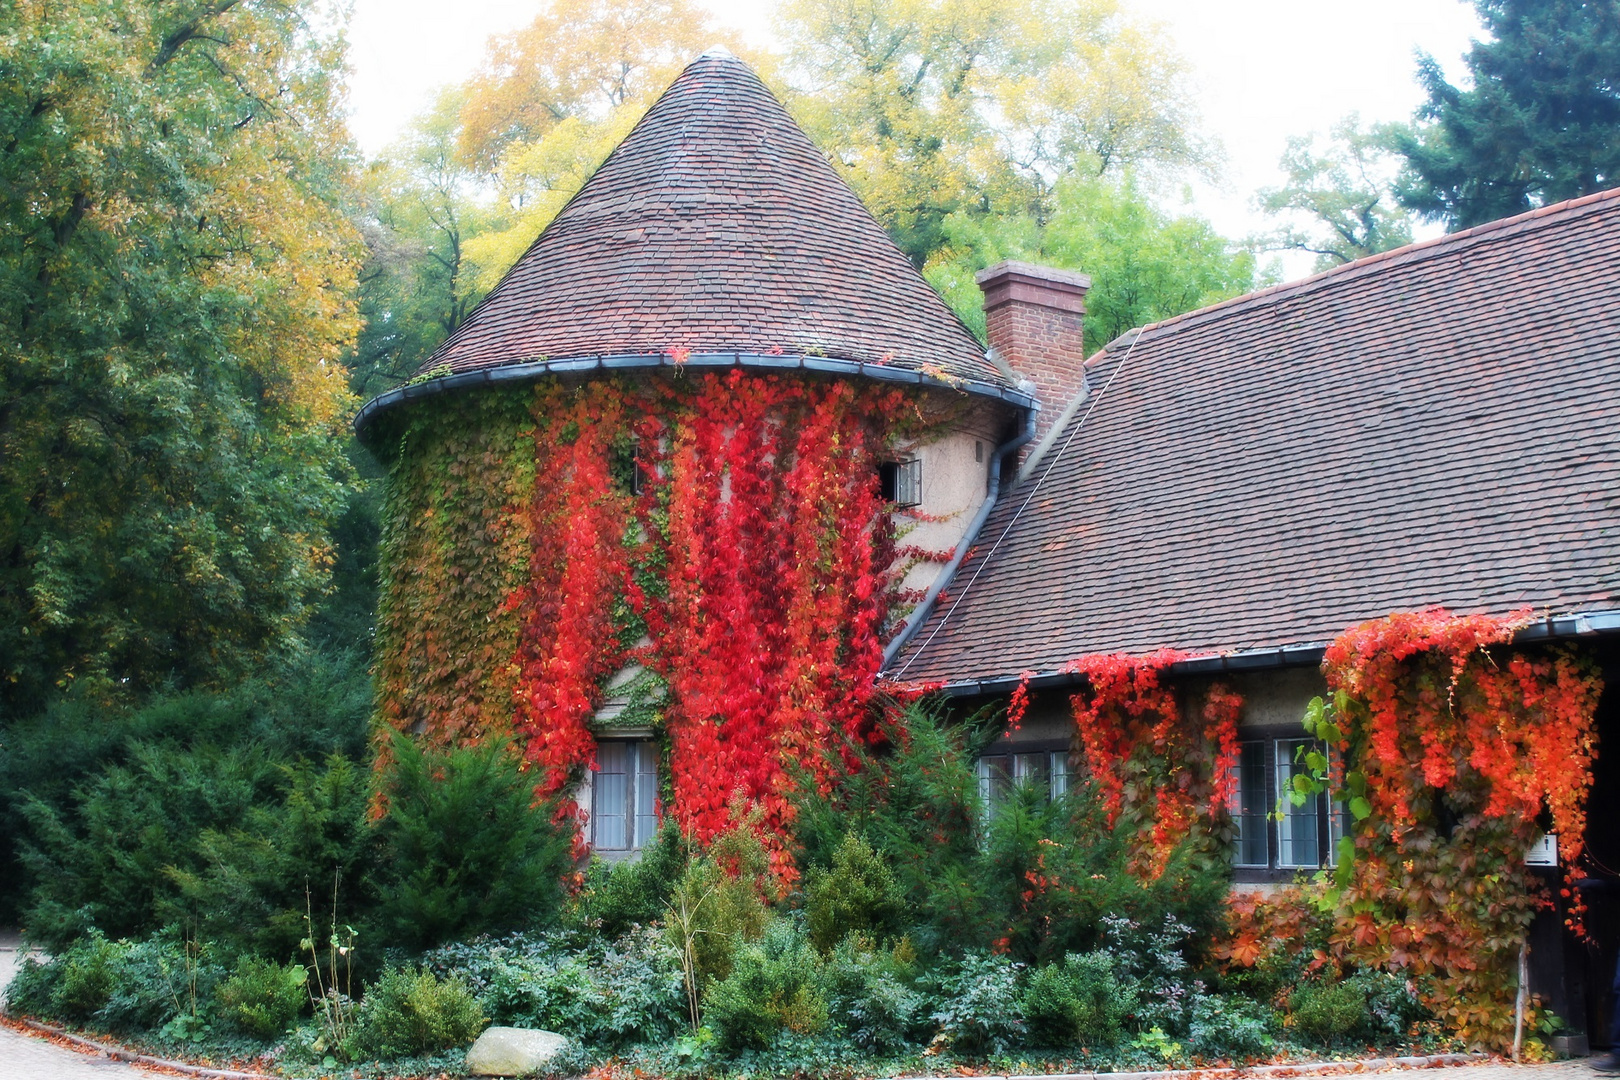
[[23, 1057]]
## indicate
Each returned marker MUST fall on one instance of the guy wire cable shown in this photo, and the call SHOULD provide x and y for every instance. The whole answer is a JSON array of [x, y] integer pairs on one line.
[[1034, 488]]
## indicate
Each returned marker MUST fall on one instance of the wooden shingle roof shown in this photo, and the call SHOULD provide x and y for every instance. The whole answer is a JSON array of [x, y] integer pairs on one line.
[[716, 227], [1435, 425]]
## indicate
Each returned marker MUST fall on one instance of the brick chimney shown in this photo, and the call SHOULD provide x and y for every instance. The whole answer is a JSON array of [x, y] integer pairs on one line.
[[1032, 317]]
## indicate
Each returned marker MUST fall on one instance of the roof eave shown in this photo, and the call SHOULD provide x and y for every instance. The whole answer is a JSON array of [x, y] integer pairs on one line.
[[1552, 628], [666, 361]]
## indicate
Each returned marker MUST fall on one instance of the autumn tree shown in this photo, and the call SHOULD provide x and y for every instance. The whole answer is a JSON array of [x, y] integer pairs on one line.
[[1539, 124], [421, 209], [177, 286], [551, 100], [1145, 264], [1339, 202], [578, 58], [932, 107]]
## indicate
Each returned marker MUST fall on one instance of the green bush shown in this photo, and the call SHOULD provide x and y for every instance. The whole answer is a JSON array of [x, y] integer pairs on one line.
[[123, 986], [773, 986], [96, 803], [1328, 1010], [621, 895], [964, 877], [1152, 962], [719, 904], [165, 982], [414, 1012], [1232, 1028], [29, 992], [1392, 1005], [249, 894], [980, 1010], [262, 997], [603, 994], [857, 894], [464, 850], [872, 995], [84, 977], [1077, 1002]]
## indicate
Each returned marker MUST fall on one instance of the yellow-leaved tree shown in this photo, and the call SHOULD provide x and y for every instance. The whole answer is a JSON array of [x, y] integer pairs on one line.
[[552, 100], [937, 106]]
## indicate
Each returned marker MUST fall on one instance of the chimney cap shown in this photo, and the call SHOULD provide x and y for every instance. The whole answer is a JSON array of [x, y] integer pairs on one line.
[[1034, 273]]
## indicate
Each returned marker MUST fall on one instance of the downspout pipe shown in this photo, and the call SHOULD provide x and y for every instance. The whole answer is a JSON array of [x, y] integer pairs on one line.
[[920, 614]]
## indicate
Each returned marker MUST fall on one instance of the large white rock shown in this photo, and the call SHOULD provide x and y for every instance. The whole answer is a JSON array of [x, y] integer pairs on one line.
[[507, 1051]]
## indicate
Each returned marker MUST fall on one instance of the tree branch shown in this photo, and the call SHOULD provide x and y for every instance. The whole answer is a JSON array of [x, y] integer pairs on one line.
[[191, 30]]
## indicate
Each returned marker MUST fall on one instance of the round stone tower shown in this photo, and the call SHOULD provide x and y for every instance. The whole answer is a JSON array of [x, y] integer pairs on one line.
[[657, 506]]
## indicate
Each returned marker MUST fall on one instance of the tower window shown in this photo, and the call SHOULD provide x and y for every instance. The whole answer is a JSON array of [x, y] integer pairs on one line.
[[901, 482], [624, 465], [624, 795]]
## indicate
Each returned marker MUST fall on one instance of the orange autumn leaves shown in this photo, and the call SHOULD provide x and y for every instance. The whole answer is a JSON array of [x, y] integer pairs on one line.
[[1162, 769]]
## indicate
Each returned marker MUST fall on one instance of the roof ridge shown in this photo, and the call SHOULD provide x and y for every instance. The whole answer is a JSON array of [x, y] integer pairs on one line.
[[1421, 249]]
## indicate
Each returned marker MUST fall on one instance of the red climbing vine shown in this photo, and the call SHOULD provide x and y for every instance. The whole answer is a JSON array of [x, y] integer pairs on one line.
[[1155, 767], [568, 643], [1454, 753], [776, 580]]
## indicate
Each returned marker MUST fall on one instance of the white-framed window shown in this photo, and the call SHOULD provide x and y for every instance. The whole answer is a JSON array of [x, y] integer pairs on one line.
[[900, 482], [1274, 835], [1046, 770], [624, 795]]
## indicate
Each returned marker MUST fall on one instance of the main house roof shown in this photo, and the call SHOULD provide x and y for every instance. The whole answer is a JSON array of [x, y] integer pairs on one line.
[[1438, 425], [716, 226]]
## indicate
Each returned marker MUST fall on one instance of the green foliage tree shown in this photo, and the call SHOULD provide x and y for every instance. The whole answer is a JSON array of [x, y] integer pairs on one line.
[[177, 285], [1144, 263], [1540, 123], [465, 849], [420, 210], [1339, 203], [934, 107], [130, 819], [1034, 879]]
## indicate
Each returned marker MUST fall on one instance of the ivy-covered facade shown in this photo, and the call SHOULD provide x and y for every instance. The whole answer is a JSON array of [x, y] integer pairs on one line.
[[1321, 579]]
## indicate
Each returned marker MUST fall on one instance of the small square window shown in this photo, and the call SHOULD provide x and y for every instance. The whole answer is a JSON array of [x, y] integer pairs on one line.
[[900, 482], [624, 466]]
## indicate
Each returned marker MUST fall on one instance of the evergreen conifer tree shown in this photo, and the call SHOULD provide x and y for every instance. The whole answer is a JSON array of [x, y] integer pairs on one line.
[[1540, 124]]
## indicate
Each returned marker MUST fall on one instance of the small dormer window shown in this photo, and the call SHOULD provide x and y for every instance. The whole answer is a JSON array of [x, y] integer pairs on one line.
[[901, 482]]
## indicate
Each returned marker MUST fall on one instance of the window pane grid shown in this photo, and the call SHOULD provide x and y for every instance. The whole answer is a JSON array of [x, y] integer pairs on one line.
[[1298, 838], [624, 795], [1249, 806]]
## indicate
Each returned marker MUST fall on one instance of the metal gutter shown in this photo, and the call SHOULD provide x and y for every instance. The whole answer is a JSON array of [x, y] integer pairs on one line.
[[920, 613], [1552, 628], [666, 361]]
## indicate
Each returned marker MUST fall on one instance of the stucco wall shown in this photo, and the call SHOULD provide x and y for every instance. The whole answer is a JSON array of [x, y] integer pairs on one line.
[[955, 480]]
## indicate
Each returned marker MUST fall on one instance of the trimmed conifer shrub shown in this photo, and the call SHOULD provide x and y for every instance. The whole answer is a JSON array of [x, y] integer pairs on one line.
[[464, 849]]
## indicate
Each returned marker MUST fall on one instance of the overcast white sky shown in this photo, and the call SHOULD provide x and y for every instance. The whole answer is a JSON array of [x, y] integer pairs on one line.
[[1263, 69]]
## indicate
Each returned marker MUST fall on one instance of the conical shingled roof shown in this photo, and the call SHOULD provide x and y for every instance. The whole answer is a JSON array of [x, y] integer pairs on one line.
[[716, 226]]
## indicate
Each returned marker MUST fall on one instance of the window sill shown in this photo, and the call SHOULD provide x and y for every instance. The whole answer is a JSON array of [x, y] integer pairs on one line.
[[1260, 875]]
